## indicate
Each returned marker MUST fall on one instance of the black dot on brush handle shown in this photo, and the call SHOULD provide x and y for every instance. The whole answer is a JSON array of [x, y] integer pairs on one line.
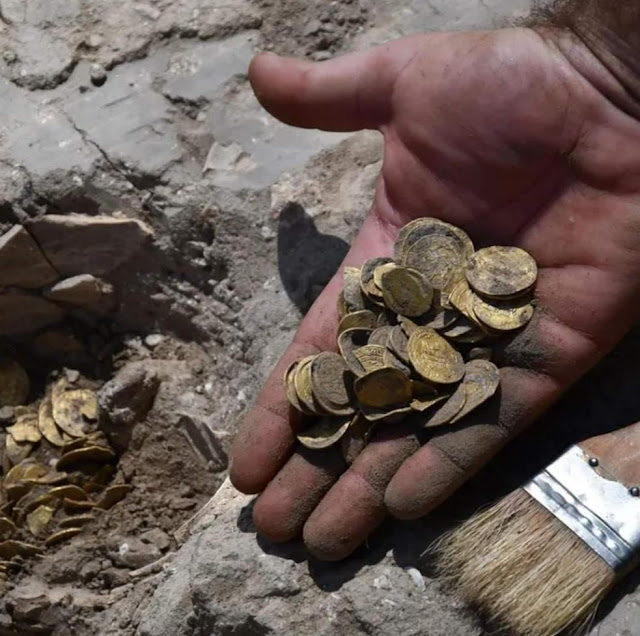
[[635, 491], [593, 462]]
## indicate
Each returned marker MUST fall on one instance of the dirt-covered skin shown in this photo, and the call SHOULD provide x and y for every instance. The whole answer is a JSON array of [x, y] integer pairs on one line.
[[496, 132]]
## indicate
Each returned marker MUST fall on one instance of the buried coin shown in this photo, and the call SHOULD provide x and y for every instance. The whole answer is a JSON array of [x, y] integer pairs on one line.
[[62, 535], [434, 358], [324, 433], [39, 519], [47, 424], [113, 495], [501, 272], [10, 549], [406, 292]]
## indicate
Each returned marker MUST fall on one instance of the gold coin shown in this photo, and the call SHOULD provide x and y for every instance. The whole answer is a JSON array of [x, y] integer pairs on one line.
[[31, 502], [75, 505], [330, 383], [11, 549], [424, 404], [72, 407], [386, 415], [113, 495], [352, 293], [355, 439], [14, 383], [367, 281], [439, 258], [47, 424], [501, 272], [379, 272], [382, 388], [16, 452], [349, 342], [421, 389], [448, 410], [302, 383], [290, 388], [68, 492], [325, 432], [39, 519], [406, 292], [481, 381], [507, 315], [96, 454], [380, 336], [428, 226], [371, 357], [398, 342], [62, 535], [363, 319], [72, 444], [390, 359], [434, 358], [25, 430], [76, 521]]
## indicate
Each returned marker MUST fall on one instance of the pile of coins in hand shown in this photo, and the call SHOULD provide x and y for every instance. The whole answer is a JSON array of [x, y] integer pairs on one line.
[[58, 467], [413, 336]]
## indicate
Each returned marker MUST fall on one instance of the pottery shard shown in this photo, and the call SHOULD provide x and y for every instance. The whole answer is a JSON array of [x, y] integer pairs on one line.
[[21, 312], [77, 243], [84, 291], [22, 264]]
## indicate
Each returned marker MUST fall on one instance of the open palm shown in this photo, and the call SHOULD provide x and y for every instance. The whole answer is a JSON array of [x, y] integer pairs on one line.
[[496, 132]]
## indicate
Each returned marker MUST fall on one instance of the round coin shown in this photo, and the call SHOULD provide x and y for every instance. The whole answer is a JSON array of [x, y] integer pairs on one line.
[[383, 388], [371, 357], [426, 226], [330, 383], [439, 257], [406, 292], [349, 342], [363, 319], [481, 381], [398, 341], [507, 315], [501, 272], [380, 336], [325, 432], [367, 282], [302, 383], [290, 388], [434, 358], [379, 271]]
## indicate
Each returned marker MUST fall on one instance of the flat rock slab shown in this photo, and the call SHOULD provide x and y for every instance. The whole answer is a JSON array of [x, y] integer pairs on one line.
[[82, 244], [84, 291], [21, 312], [22, 264]]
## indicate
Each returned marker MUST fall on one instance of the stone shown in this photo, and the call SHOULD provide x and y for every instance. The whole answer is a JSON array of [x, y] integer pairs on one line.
[[21, 261], [7, 415], [134, 553], [158, 538], [98, 74], [204, 442], [85, 291], [125, 400], [57, 344], [153, 340], [81, 244], [21, 313]]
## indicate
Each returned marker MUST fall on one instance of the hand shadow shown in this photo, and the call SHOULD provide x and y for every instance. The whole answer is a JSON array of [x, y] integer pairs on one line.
[[306, 259]]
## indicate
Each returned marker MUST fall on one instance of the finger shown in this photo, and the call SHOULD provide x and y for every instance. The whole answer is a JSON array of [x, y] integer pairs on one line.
[[354, 506], [452, 456], [348, 93], [265, 439]]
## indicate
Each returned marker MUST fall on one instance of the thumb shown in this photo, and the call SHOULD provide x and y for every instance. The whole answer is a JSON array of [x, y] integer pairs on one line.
[[348, 93]]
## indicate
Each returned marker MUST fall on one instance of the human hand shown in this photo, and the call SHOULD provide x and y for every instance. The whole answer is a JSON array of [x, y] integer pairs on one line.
[[520, 139]]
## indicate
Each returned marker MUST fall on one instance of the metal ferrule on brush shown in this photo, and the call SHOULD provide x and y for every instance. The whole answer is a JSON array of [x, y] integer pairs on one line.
[[600, 511]]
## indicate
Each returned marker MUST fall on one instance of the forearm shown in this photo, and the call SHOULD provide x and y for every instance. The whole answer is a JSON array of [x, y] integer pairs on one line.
[[610, 32]]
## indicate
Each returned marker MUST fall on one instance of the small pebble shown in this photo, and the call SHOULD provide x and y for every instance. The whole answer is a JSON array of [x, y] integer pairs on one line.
[[153, 340], [98, 74]]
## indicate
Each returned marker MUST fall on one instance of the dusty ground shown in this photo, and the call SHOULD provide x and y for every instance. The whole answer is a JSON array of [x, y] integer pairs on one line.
[[251, 218]]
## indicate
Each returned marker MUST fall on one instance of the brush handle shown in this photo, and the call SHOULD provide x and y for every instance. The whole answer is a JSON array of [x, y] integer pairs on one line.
[[618, 454]]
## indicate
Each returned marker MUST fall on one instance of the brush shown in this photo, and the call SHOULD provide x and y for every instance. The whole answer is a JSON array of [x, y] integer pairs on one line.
[[540, 560]]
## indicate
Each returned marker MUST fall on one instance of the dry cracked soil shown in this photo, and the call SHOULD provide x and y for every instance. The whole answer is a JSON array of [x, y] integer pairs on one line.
[[140, 113]]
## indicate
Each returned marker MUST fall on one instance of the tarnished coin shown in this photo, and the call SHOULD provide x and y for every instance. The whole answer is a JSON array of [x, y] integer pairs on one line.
[[39, 519], [76, 521], [355, 438], [382, 388], [501, 272], [428, 226], [62, 535], [96, 454], [398, 342], [393, 415], [380, 336], [25, 430], [113, 495], [421, 389], [7, 527], [10, 549], [390, 359], [16, 452], [290, 388], [424, 404], [371, 357], [349, 342], [481, 353], [363, 319], [341, 306], [440, 319], [439, 258], [72, 408], [325, 432], [330, 383], [47, 424], [434, 358], [367, 282], [302, 383], [74, 506], [68, 492], [380, 271], [481, 381], [461, 327], [507, 315], [451, 408], [352, 293], [406, 291], [14, 383]]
